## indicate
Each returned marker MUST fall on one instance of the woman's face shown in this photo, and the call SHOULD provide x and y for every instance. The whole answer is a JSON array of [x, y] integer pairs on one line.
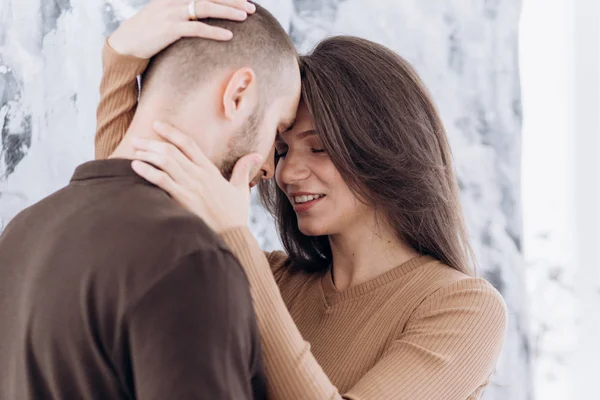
[[321, 199]]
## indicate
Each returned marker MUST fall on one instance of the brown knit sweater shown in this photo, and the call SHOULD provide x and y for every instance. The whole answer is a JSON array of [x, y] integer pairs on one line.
[[422, 331]]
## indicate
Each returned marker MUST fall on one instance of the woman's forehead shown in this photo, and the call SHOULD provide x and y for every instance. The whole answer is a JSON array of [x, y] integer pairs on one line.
[[303, 120]]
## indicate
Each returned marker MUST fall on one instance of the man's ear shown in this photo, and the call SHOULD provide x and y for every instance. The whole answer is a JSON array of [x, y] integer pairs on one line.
[[241, 94]]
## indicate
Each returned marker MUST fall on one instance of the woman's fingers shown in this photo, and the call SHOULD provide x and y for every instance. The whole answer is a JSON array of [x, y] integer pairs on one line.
[[179, 167], [158, 178], [208, 9], [185, 144], [235, 10], [250, 7], [205, 31], [165, 154], [245, 169], [162, 22], [166, 164], [245, 5]]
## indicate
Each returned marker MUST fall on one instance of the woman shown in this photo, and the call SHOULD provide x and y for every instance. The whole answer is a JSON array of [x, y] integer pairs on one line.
[[376, 276]]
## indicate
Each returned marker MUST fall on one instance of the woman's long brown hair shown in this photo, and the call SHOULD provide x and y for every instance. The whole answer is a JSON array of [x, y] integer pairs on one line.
[[382, 132]]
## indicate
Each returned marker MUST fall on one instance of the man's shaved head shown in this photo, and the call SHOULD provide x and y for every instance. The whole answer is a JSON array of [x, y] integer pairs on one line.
[[230, 97], [259, 43]]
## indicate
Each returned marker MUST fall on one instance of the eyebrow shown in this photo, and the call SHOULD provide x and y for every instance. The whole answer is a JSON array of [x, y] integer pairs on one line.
[[300, 136], [310, 132]]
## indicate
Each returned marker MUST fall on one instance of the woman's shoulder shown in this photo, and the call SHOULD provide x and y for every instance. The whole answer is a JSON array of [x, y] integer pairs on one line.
[[277, 258], [290, 275], [448, 285], [279, 262]]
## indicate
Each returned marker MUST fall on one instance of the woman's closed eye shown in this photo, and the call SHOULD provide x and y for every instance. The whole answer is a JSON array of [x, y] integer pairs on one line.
[[280, 154], [281, 149]]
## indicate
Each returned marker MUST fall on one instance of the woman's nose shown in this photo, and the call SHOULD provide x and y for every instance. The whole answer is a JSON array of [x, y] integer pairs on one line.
[[293, 168]]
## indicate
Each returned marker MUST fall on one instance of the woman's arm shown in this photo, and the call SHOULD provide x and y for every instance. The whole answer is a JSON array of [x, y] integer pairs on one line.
[[118, 98], [127, 51], [292, 371]]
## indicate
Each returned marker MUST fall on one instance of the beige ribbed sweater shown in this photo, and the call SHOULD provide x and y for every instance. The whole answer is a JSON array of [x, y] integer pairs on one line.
[[422, 331]]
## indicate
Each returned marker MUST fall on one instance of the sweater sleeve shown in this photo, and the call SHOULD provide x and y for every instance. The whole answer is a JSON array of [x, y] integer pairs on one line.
[[448, 348], [118, 98], [292, 371]]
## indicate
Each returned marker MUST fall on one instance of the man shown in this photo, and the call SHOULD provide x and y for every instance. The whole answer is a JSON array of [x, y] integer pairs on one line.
[[108, 288]]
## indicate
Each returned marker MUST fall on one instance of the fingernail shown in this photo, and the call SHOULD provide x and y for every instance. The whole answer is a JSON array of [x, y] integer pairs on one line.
[[159, 125], [138, 166], [250, 7], [226, 34], [258, 160]]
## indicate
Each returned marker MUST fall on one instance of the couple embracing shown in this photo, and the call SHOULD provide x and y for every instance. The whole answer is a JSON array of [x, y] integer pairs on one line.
[[141, 279]]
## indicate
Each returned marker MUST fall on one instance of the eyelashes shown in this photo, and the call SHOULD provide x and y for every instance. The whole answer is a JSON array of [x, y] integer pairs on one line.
[[279, 155]]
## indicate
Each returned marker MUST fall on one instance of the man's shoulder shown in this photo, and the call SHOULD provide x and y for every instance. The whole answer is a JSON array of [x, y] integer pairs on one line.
[[160, 243], [161, 226], [140, 233], [158, 218]]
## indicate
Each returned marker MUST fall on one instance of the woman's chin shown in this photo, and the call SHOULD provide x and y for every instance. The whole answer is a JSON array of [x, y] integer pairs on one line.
[[310, 228]]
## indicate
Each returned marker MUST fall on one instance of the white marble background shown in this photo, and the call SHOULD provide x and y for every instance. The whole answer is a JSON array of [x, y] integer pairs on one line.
[[465, 50]]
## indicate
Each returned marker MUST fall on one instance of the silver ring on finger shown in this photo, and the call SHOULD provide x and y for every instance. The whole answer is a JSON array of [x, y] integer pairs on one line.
[[192, 11]]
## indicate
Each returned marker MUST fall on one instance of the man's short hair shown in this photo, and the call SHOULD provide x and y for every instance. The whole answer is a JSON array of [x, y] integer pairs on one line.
[[259, 43]]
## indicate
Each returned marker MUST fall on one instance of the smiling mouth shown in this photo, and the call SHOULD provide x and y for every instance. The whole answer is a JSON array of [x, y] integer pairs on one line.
[[307, 198]]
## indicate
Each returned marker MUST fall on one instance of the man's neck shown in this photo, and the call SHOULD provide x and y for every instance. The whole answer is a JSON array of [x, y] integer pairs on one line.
[[126, 150], [142, 127]]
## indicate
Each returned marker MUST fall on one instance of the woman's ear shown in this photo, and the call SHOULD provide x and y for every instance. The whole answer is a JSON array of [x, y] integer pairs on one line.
[[241, 94]]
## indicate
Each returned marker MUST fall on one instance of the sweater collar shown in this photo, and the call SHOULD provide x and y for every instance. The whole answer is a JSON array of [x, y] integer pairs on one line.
[[333, 296], [111, 168]]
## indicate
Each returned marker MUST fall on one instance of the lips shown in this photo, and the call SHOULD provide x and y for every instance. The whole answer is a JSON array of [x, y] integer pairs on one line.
[[307, 198], [303, 201]]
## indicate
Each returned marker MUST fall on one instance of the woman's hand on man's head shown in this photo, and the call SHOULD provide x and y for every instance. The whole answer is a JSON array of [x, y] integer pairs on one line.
[[163, 22]]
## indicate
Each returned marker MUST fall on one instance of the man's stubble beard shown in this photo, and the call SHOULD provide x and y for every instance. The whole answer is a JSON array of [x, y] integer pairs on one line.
[[242, 143]]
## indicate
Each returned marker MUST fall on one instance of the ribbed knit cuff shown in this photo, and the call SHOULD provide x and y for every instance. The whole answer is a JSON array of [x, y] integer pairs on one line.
[[127, 65]]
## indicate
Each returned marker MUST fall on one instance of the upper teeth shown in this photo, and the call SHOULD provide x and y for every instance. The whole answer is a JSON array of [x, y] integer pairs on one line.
[[304, 199]]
